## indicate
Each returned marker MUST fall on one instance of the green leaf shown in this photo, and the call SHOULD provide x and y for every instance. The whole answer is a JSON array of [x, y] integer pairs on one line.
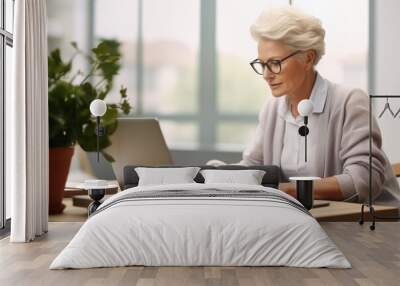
[[107, 50], [125, 106], [123, 93], [89, 93], [109, 70], [56, 67], [110, 116], [108, 56]]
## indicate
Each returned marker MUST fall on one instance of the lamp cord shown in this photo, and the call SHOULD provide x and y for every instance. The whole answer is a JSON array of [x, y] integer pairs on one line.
[[98, 137], [305, 144], [305, 137]]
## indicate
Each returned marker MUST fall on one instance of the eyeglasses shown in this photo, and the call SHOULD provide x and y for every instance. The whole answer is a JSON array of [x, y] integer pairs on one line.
[[274, 66]]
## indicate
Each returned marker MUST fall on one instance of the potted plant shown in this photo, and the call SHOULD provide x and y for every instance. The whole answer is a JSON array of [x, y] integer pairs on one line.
[[70, 121]]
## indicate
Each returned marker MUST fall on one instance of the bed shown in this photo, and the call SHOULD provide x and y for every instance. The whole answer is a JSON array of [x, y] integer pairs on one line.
[[201, 224]]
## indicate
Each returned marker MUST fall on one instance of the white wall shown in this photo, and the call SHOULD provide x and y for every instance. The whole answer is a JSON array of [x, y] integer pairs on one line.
[[385, 69]]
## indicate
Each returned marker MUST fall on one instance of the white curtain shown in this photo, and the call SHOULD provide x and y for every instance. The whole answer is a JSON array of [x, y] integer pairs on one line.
[[27, 124]]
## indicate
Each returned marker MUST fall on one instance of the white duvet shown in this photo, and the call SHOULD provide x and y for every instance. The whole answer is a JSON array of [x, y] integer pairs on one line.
[[200, 231]]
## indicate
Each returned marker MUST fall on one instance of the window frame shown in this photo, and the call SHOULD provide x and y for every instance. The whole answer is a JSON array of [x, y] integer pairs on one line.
[[6, 39]]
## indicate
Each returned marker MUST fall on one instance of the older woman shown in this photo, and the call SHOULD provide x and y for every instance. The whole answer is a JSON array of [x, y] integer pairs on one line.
[[290, 44]]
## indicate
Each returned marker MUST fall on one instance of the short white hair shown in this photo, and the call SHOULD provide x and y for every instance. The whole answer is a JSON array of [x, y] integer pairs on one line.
[[292, 27]]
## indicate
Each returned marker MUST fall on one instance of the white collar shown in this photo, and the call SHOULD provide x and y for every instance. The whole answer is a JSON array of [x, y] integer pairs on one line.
[[317, 97]]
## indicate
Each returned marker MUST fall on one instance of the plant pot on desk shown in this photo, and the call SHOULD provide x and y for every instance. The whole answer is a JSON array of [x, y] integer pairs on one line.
[[59, 163]]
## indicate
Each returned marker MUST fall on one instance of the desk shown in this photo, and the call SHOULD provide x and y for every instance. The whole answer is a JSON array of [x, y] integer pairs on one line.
[[343, 211]]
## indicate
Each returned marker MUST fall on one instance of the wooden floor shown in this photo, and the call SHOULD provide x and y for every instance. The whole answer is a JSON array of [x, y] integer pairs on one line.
[[70, 214], [374, 255]]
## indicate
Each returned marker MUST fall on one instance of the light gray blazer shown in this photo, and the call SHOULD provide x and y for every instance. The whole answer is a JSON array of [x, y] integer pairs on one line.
[[343, 129]]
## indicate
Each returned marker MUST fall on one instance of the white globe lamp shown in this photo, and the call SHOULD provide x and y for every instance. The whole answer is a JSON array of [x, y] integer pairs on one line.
[[98, 108]]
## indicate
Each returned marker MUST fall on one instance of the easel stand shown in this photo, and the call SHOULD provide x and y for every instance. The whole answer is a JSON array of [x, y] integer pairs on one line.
[[370, 202]]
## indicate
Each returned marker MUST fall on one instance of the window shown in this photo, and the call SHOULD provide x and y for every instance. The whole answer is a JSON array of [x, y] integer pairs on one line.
[[159, 65], [68, 22], [170, 53], [346, 50], [6, 43], [125, 31], [240, 92], [9, 16], [8, 79]]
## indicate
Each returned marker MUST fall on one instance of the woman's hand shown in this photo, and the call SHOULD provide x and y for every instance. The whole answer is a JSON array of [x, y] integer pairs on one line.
[[324, 189], [288, 188]]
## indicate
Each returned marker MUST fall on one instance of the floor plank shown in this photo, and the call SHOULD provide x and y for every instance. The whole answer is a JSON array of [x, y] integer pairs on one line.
[[375, 257]]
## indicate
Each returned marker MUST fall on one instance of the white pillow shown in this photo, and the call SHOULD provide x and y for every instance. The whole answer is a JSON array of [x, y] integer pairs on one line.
[[163, 176], [248, 177]]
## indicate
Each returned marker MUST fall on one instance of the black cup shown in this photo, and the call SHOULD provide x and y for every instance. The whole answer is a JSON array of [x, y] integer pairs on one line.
[[305, 194]]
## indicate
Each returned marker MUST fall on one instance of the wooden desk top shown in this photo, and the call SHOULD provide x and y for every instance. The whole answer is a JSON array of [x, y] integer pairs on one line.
[[343, 211]]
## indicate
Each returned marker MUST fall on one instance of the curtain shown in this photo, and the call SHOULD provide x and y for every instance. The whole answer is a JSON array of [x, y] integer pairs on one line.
[[27, 124]]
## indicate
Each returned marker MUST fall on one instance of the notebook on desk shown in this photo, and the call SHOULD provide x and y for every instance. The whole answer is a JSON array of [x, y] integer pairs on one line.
[[138, 141], [319, 204]]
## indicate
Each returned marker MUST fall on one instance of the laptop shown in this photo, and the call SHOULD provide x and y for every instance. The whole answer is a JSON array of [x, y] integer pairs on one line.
[[137, 141]]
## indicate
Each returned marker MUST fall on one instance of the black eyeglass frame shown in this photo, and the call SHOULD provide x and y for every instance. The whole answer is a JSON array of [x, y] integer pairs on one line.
[[275, 61]]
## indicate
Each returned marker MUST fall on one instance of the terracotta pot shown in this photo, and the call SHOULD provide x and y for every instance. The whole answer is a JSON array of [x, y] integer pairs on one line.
[[59, 163]]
